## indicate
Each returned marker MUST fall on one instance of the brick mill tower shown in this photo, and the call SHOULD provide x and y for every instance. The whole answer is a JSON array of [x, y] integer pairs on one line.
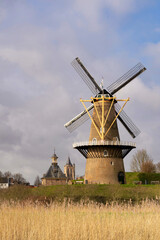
[[104, 152]]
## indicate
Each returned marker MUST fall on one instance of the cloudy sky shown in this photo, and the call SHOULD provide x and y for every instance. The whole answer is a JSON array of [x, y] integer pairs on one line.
[[40, 90]]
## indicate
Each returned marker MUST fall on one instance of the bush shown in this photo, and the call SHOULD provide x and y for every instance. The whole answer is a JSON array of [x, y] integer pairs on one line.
[[148, 177]]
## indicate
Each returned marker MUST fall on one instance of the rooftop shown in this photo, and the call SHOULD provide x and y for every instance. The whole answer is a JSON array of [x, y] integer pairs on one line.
[[54, 171], [3, 180]]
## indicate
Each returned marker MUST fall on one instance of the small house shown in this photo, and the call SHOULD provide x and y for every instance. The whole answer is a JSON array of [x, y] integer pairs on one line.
[[4, 182]]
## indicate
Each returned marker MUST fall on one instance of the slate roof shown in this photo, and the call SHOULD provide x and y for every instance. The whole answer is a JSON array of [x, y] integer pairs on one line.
[[68, 162], [3, 180], [54, 172]]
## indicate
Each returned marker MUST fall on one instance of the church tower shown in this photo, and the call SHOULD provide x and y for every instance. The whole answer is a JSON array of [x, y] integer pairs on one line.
[[54, 158], [69, 170]]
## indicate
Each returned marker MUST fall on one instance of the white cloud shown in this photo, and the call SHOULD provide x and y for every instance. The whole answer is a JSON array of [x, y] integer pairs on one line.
[[121, 6], [94, 11], [143, 109], [90, 10], [148, 97], [30, 61], [2, 14], [153, 50]]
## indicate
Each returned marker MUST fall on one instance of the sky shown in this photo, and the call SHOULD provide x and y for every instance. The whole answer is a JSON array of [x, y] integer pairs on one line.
[[40, 90]]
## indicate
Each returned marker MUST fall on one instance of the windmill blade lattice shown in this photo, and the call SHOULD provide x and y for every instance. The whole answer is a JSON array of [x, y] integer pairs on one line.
[[86, 76], [126, 78], [79, 119], [127, 122], [113, 88]]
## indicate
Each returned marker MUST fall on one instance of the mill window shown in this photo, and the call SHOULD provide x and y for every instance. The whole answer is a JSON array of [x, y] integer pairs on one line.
[[105, 153], [94, 140], [115, 139]]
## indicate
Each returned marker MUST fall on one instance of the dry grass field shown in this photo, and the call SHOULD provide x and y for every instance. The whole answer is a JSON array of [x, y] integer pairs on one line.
[[28, 221]]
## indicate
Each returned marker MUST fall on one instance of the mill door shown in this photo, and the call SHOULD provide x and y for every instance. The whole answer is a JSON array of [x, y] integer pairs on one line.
[[121, 177]]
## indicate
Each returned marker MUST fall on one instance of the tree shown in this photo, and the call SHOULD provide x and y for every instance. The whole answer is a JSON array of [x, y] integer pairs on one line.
[[7, 174], [142, 162], [18, 178], [157, 167], [37, 181], [148, 167], [1, 174]]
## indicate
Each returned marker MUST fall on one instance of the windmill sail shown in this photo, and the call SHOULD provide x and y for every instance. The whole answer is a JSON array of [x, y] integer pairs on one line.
[[86, 76], [127, 122], [79, 119], [112, 89], [126, 78], [123, 118]]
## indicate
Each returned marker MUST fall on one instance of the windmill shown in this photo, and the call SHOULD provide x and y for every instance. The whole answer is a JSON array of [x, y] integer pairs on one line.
[[104, 152]]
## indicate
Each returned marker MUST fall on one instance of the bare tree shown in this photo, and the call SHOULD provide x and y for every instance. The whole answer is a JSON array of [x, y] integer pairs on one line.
[[157, 165], [1, 174], [18, 178], [7, 174], [142, 162], [37, 181], [148, 167]]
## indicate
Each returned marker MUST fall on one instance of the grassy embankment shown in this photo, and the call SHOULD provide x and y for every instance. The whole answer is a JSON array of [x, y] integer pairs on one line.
[[96, 193]]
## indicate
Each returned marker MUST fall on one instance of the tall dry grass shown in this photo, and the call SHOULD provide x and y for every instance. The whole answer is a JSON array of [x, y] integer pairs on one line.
[[30, 221]]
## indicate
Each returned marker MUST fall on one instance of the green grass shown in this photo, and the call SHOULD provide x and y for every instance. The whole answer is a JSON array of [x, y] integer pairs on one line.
[[97, 193], [131, 177], [143, 177]]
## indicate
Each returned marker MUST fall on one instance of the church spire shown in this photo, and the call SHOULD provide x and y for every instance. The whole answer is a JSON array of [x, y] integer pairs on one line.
[[68, 161], [54, 157]]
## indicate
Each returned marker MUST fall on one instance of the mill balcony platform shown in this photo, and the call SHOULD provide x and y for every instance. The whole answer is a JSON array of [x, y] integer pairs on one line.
[[102, 148]]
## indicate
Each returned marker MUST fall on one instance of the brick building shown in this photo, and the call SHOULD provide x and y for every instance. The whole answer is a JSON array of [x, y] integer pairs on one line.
[[69, 170], [54, 175]]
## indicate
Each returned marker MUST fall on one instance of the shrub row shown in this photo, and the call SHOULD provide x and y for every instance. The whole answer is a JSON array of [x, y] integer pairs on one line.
[[145, 178]]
